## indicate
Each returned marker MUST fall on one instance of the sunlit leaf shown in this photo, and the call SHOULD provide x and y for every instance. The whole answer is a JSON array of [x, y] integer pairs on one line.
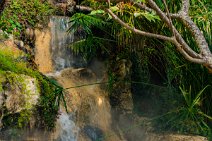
[[95, 12], [114, 8]]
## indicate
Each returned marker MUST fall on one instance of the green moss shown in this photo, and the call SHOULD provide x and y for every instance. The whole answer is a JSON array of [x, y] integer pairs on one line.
[[24, 118]]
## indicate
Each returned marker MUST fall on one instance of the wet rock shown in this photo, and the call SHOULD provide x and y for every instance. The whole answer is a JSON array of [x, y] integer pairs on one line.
[[42, 50], [82, 73], [19, 43], [65, 6], [30, 34], [93, 133], [121, 96]]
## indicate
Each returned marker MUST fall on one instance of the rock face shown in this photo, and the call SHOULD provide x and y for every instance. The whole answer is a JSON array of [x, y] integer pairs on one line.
[[121, 96], [89, 103], [18, 93], [42, 53], [174, 137], [65, 6]]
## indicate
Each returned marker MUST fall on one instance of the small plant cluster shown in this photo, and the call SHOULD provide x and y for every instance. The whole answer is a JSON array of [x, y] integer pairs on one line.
[[21, 14]]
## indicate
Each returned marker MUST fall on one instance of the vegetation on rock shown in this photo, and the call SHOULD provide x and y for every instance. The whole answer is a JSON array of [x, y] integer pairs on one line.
[[21, 14], [46, 109]]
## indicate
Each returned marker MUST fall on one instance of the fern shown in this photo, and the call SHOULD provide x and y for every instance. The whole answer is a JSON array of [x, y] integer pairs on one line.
[[86, 22], [89, 47], [89, 44]]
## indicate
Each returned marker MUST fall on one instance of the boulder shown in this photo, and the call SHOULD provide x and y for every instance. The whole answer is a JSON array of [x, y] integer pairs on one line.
[[19, 92], [82, 74], [65, 6]]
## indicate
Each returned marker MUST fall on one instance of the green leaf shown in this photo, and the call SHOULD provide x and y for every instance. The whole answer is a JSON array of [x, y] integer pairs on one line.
[[143, 1], [197, 98], [150, 16], [114, 8], [95, 12], [137, 14]]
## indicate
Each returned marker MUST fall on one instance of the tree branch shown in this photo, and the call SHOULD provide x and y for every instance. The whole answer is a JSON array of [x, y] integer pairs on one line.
[[143, 7], [185, 6], [136, 31], [170, 39], [197, 34], [205, 56], [169, 17], [174, 15], [82, 8], [186, 55], [179, 38]]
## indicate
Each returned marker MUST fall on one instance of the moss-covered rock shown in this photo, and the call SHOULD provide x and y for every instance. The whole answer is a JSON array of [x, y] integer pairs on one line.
[[25, 93], [18, 97], [20, 92]]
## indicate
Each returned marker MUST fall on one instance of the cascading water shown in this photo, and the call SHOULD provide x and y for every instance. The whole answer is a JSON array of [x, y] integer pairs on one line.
[[60, 42], [89, 105], [61, 58], [68, 129]]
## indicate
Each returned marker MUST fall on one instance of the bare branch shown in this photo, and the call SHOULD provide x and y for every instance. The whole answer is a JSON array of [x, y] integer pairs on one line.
[[185, 6], [143, 7], [174, 16], [186, 55], [168, 15], [197, 34], [177, 34], [170, 39], [83, 8], [148, 9], [205, 56], [116, 18]]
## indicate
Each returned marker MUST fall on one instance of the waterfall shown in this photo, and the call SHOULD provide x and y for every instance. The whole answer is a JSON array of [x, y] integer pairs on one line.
[[68, 129], [89, 117], [60, 44], [62, 57]]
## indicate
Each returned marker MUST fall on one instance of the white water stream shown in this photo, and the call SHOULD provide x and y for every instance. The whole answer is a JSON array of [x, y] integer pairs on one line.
[[89, 117], [68, 129], [62, 58]]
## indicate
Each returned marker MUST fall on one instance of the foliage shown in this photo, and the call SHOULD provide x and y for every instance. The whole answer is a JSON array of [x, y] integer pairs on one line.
[[99, 22], [157, 63], [49, 103], [89, 43], [85, 22], [21, 14], [187, 118]]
